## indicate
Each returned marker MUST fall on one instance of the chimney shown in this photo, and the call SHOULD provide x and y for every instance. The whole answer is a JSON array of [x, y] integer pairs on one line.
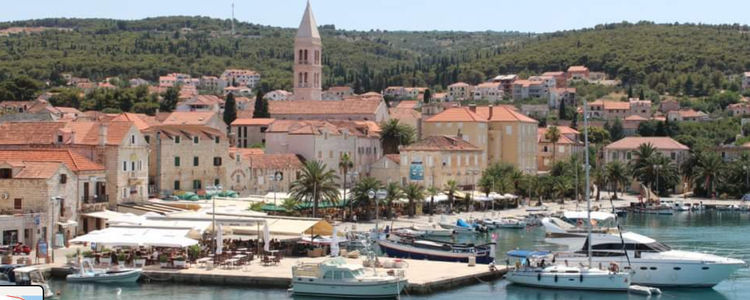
[[102, 134], [459, 134], [491, 111], [473, 107]]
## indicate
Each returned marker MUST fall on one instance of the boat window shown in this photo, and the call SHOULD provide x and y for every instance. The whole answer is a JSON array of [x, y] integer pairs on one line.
[[705, 268], [571, 271], [328, 275], [336, 275], [348, 275], [644, 268], [653, 268], [677, 268], [650, 247]]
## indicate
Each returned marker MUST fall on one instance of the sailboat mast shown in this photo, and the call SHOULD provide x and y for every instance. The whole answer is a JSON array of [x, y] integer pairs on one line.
[[586, 193]]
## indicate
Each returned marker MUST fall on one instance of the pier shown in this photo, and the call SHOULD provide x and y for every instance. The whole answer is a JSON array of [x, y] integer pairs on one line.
[[424, 277]]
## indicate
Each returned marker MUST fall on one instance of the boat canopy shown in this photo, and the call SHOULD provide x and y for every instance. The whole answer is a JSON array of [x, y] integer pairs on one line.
[[462, 223], [526, 253]]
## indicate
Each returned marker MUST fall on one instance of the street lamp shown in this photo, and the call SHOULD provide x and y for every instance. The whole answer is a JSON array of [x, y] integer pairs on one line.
[[275, 178], [380, 195], [656, 169], [353, 175], [371, 196]]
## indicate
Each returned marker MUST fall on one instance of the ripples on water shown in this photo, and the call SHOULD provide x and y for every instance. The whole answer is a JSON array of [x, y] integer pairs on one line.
[[722, 233]]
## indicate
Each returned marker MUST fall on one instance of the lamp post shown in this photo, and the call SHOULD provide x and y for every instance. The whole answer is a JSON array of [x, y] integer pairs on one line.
[[656, 169], [353, 175], [380, 195], [371, 196]]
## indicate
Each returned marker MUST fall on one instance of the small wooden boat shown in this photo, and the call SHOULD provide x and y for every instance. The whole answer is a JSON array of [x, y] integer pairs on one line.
[[336, 278], [88, 274]]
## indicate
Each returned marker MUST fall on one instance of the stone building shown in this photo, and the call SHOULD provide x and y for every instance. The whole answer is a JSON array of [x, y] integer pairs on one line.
[[254, 172], [435, 160], [249, 132]]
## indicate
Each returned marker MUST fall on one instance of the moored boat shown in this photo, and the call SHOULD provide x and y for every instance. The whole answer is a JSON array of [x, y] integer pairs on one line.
[[402, 247], [336, 278], [26, 276], [87, 273]]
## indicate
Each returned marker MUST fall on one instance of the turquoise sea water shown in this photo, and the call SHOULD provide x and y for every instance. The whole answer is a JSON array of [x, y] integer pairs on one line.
[[723, 233]]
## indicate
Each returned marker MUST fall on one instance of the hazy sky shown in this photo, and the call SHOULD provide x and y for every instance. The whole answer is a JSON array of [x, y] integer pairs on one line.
[[468, 15]]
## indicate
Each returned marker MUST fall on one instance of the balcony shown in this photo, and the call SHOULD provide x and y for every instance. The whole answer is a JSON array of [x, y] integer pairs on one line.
[[94, 199]]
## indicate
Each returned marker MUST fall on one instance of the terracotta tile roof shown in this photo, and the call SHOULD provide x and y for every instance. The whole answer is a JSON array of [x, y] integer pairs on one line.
[[690, 113], [246, 151], [457, 114], [141, 121], [36, 170], [274, 161], [256, 121], [187, 130], [489, 85], [188, 118], [441, 143], [404, 114], [313, 107], [554, 73], [68, 110], [504, 113], [459, 84], [317, 127], [74, 161], [411, 104], [394, 157], [609, 105], [541, 134], [45, 133], [577, 69], [660, 143], [339, 89], [635, 118]]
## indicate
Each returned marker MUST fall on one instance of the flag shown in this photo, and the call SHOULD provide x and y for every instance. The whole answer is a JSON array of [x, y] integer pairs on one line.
[[266, 238]]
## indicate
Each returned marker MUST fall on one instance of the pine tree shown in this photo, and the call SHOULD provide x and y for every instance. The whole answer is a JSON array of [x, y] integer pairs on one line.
[[261, 106], [169, 101], [230, 109], [630, 91], [643, 94]]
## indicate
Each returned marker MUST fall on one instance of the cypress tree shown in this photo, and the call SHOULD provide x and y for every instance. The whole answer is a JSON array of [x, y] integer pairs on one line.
[[230, 109], [261, 106], [427, 96]]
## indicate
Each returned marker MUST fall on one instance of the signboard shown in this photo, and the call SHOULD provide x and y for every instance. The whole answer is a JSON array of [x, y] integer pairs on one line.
[[42, 249], [416, 171], [37, 221]]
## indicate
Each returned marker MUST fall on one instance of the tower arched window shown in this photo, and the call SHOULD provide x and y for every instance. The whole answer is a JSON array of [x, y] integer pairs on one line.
[[299, 58], [299, 79], [306, 79], [305, 55], [317, 57]]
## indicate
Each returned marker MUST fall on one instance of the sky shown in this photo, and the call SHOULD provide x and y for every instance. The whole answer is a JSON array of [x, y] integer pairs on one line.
[[462, 15]]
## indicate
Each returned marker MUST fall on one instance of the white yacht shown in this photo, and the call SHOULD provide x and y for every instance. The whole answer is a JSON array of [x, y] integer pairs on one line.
[[653, 263], [336, 278], [570, 229]]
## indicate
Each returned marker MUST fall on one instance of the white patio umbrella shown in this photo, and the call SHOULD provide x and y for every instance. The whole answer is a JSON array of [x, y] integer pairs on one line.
[[335, 242], [219, 240], [266, 238]]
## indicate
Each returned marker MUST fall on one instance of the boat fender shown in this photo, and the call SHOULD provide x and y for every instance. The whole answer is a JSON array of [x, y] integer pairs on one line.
[[555, 278], [539, 276]]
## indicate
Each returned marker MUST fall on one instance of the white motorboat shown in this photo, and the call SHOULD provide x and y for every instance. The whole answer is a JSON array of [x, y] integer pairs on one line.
[[570, 229], [538, 274], [336, 278], [654, 263], [576, 278], [87, 273], [26, 276], [674, 205], [433, 230], [510, 223]]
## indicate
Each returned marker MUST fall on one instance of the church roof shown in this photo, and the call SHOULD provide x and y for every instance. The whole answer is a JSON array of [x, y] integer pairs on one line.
[[308, 28]]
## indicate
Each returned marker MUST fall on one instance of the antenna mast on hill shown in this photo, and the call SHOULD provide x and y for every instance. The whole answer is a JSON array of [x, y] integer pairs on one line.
[[232, 18]]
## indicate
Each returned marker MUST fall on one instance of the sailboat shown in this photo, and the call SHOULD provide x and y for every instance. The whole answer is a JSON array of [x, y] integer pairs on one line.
[[534, 270]]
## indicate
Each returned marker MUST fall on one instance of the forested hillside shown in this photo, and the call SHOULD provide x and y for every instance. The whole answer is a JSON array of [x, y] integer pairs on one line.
[[695, 60]]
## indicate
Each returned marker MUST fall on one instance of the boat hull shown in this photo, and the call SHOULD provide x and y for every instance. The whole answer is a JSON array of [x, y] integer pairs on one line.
[[130, 276], [405, 251], [598, 282], [382, 289]]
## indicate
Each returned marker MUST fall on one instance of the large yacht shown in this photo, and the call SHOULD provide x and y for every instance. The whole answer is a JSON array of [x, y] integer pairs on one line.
[[653, 263]]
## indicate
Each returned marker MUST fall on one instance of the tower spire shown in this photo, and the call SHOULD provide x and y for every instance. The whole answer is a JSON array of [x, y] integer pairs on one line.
[[308, 57]]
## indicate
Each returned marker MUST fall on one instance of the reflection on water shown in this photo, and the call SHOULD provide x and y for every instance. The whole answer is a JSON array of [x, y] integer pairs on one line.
[[723, 233]]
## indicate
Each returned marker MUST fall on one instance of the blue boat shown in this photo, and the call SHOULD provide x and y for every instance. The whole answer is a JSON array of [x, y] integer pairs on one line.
[[404, 247]]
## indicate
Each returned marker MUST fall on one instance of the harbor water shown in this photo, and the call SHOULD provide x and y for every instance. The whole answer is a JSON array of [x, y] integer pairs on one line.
[[721, 233]]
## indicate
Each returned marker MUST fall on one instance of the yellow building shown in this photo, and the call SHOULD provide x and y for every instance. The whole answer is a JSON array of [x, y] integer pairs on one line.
[[501, 132], [435, 160]]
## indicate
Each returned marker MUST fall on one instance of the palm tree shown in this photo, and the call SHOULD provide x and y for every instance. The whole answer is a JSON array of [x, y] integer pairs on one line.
[[315, 181], [641, 166], [451, 187], [345, 163], [360, 193], [559, 188], [432, 191], [394, 193], [289, 204], [413, 192], [616, 175], [553, 135], [708, 171], [394, 134]]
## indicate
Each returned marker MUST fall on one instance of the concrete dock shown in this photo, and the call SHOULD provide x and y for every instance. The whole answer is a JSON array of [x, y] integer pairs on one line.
[[424, 277]]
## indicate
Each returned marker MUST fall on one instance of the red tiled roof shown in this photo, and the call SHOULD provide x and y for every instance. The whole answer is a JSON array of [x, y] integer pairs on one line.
[[35, 169], [256, 121], [74, 161], [607, 105], [660, 143], [541, 134], [404, 113], [188, 118], [187, 130], [411, 104], [457, 114], [504, 113], [578, 69], [441, 143], [275, 161], [246, 151], [635, 118], [83, 132], [394, 157], [314, 107], [141, 121]]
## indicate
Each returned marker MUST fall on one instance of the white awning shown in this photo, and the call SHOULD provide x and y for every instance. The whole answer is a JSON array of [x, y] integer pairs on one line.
[[68, 223], [104, 214], [133, 237]]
